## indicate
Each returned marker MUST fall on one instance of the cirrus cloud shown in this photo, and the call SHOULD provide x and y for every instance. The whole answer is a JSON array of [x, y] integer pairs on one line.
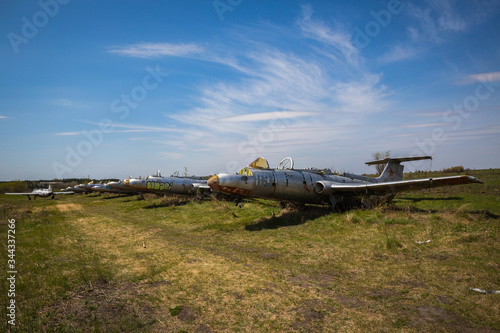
[[150, 50]]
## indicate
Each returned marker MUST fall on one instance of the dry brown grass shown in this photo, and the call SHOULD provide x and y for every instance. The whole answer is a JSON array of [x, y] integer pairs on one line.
[[68, 207]]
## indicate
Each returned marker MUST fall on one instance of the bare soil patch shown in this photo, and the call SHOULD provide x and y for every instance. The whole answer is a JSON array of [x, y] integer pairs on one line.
[[68, 207], [101, 306]]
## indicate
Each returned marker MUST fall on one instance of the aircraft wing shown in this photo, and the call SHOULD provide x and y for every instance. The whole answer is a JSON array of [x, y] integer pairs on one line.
[[21, 193], [68, 192], [327, 188]]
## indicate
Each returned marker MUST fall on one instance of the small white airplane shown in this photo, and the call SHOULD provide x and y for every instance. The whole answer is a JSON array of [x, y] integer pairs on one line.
[[43, 192]]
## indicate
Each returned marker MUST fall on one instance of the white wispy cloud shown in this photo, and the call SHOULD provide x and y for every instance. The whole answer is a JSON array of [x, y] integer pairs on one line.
[[125, 128], [150, 50], [68, 133], [427, 114], [284, 101], [426, 27], [63, 102], [364, 96], [338, 40], [399, 52], [449, 18], [141, 128], [3, 117], [423, 125], [267, 116], [431, 23], [478, 133], [486, 77], [293, 97]]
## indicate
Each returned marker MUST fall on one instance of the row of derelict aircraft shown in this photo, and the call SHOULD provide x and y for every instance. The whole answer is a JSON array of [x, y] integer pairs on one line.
[[283, 183]]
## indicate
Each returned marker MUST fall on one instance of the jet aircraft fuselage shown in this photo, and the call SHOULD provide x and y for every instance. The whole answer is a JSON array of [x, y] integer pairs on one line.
[[120, 187], [277, 184], [165, 185], [318, 186]]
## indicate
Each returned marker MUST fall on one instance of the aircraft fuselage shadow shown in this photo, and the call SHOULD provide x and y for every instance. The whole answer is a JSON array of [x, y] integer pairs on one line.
[[116, 196], [291, 218], [166, 204], [431, 199]]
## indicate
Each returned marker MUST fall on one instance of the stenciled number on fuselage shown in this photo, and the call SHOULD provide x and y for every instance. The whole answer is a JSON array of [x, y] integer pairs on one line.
[[159, 186]]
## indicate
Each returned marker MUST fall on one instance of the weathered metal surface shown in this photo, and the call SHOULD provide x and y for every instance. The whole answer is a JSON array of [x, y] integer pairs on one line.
[[320, 186], [175, 185]]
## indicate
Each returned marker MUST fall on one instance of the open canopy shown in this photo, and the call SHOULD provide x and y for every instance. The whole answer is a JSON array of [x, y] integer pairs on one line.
[[259, 163]]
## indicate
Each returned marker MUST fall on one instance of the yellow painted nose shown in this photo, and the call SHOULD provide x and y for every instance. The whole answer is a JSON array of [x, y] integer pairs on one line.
[[213, 182]]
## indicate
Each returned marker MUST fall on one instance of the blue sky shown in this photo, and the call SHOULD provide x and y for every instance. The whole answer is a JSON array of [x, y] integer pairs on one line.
[[123, 88]]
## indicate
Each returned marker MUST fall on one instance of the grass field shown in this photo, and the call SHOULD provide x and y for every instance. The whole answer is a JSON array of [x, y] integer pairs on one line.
[[89, 263]]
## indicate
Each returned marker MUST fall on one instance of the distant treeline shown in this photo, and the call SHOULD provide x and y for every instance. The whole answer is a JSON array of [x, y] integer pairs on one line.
[[29, 185], [455, 169]]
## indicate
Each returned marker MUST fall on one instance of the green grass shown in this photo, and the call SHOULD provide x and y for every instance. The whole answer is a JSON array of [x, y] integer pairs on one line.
[[89, 263]]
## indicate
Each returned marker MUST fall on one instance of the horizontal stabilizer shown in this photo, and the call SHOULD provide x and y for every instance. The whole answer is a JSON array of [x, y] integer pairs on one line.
[[399, 159]]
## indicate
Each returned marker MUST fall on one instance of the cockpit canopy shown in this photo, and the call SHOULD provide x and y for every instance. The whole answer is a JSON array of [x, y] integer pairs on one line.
[[156, 174], [259, 163]]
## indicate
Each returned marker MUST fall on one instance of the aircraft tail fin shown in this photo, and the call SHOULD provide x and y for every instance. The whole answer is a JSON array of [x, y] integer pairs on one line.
[[50, 184], [393, 171]]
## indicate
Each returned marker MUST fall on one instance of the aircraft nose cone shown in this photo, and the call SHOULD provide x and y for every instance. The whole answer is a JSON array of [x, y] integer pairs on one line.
[[213, 182], [135, 183]]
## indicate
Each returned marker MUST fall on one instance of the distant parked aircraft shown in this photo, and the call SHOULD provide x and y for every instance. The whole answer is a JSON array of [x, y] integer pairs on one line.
[[46, 192], [87, 188], [174, 184], [120, 186], [74, 189]]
